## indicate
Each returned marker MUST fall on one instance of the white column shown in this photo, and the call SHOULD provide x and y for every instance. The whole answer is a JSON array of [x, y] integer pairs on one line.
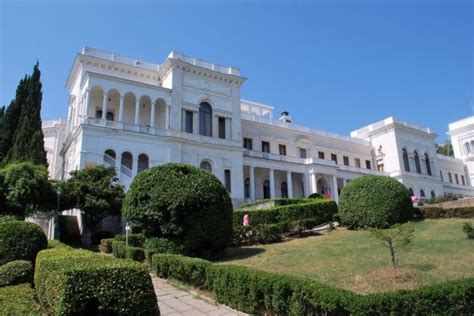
[[289, 183], [121, 108], [135, 167], [152, 118], [314, 183], [118, 161], [272, 183], [215, 126], [252, 182], [228, 128], [167, 118], [104, 106], [195, 122], [335, 194], [137, 111], [85, 106], [306, 184]]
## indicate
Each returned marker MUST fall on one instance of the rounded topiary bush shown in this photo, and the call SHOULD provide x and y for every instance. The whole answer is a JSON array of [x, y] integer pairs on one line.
[[182, 203], [374, 201], [315, 196], [20, 241], [16, 272]]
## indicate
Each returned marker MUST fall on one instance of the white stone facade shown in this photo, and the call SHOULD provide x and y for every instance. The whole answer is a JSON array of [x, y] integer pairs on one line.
[[133, 115]]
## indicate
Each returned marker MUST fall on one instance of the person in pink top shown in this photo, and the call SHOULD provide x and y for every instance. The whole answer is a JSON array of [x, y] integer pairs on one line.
[[246, 224], [246, 219]]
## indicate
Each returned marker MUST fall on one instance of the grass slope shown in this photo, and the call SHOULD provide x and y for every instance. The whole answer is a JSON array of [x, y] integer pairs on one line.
[[356, 261]]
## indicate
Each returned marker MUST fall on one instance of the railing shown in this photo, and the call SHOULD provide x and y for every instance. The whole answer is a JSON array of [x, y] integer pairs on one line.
[[389, 120], [109, 160], [269, 121], [126, 170], [205, 64], [120, 59], [270, 156]]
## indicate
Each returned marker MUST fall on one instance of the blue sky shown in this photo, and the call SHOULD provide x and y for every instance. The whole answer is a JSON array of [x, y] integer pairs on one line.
[[335, 65]]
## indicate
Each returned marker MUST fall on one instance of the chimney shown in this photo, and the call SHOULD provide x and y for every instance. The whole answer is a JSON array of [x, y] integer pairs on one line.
[[285, 117]]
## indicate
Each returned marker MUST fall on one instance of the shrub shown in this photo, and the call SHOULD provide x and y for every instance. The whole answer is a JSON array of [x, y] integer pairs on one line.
[[135, 240], [183, 203], [19, 300], [135, 253], [118, 249], [267, 233], [55, 244], [80, 282], [16, 272], [374, 201], [276, 201], [467, 228], [319, 210], [161, 245], [106, 245], [8, 218], [259, 292], [20, 241], [438, 212], [316, 196]]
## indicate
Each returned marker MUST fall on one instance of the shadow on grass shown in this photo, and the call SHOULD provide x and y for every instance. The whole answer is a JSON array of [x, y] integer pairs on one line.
[[236, 253]]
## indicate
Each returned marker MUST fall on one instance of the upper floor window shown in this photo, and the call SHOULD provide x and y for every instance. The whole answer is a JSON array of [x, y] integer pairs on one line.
[[357, 162], [346, 160], [334, 157], [406, 162], [456, 178], [205, 119], [417, 162], [441, 175], [265, 146], [467, 147], [321, 154], [282, 149], [463, 180], [222, 127], [428, 164], [303, 153], [450, 177], [227, 180], [188, 124], [205, 165], [248, 143], [367, 164]]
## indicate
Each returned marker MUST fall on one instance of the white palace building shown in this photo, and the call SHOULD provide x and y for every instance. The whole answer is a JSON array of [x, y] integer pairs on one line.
[[133, 114]]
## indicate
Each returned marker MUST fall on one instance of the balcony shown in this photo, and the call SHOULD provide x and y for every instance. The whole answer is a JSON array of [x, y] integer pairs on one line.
[[275, 157]]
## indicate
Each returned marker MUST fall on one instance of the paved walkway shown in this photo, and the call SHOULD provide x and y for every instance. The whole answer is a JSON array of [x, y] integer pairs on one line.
[[173, 301]]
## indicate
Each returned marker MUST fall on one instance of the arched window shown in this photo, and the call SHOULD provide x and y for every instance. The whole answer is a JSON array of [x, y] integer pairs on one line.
[[126, 164], [205, 165], [266, 189], [417, 162], [109, 116], [410, 190], [142, 162], [205, 119], [284, 189], [405, 160], [109, 158], [433, 195], [247, 188], [422, 193], [428, 164]]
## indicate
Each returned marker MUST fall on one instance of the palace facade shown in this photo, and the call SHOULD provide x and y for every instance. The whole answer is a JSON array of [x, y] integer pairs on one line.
[[133, 115]]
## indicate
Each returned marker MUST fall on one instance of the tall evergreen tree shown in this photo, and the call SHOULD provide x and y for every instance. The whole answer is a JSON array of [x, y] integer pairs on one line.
[[28, 138]]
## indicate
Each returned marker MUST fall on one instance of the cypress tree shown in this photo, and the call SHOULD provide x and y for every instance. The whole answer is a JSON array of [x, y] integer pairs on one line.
[[28, 139]]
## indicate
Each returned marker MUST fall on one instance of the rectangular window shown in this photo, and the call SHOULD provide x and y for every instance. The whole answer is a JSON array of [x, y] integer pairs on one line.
[[321, 154], [266, 147], [221, 127], [248, 143], [367, 164], [189, 122], [463, 180], [334, 157], [457, 178], [346, 160], [450, 177], [441, 175], [227, 179], [282, 149], [357, 161], [303, 153]]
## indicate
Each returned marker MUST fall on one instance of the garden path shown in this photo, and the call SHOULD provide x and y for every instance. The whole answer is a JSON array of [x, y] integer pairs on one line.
[[173, 301]]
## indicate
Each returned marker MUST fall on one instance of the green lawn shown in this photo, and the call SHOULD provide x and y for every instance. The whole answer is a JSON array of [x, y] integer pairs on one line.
[[354, 260]]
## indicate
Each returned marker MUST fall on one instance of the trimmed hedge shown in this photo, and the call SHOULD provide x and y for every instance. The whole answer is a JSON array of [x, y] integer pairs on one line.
[[118, 248], [20, 240], [374, 201], [55, 244], [70, 281], [121, 250], [438, 212], [277, 201], [161, 245], [106, 245], [16, 272], [135, 240], [254, 291], [319, 210], [19, 300]]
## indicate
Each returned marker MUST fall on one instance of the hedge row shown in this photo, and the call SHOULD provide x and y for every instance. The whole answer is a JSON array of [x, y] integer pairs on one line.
[[16, 272], [121, 250], [254, 291], [277, 201], [438, 212], [18, 300], [71, 282], [320, 210]]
